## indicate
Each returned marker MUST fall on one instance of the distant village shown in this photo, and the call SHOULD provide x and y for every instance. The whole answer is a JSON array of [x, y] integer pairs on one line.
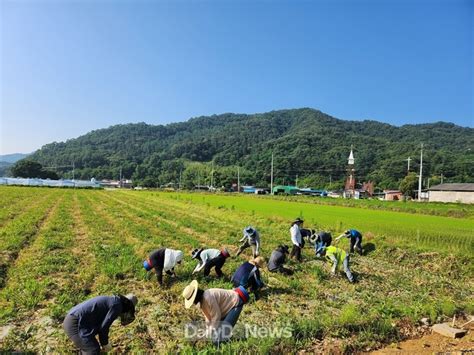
[[447, 192]]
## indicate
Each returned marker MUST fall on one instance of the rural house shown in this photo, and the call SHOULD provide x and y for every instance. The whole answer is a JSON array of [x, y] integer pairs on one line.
[[462, 192]]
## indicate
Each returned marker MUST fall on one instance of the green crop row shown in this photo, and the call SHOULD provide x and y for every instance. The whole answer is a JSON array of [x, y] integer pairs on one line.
[[413, 230], [94, 242]]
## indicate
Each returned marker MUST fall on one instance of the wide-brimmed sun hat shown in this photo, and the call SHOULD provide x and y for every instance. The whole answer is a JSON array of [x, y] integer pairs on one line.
[[298, 220], [189, 293], [195, 253], [250, 230], [258, 261]]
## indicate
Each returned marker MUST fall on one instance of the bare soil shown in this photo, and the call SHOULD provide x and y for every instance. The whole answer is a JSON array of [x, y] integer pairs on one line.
[[433, 344]]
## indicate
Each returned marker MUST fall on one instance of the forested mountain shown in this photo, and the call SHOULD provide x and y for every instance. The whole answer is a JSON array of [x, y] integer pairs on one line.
[[307, 144], [7, 160], [12, 158]]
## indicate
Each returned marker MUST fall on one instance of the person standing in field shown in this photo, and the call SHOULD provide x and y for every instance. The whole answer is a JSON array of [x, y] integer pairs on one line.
[[251, 239], [296, 238], [163, 259], [277, 260], [355, 239], [210, 258], [94, 317], [338, 257], [248, 276], [221, 308]]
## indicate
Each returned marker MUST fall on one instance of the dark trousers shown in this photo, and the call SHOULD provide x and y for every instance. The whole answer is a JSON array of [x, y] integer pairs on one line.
[[245, 245], [251, 285], [296, 252], [89, 346], [356, 243], [224, 332], [218, 263]]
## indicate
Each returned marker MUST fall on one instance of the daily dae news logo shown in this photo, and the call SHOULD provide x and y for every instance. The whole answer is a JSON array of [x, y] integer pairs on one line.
[[198, 331]]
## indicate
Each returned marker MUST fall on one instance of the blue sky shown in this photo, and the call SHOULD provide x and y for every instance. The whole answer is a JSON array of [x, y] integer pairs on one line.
[[68, 67]]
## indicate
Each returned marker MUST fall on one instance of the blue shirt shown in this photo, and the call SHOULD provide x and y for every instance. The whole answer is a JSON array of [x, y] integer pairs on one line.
[[354, 233], [95, 316], [246, 275]]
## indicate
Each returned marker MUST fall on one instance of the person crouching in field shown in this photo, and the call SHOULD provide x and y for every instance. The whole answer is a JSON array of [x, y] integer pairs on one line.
[[307, 235], [338, 257], [356, 240], [248, 276], [251, 239], [277, 260], [221, 308], [323, 239], [94, 317], [163, 259], [296, 238], [209, 258]]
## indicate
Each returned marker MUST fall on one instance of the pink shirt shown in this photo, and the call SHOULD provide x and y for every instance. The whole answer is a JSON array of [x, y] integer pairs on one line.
[[216, 303]]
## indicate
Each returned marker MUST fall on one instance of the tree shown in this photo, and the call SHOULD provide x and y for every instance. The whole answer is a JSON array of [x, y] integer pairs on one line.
[[31, 169], [409, 184], [27, 169]]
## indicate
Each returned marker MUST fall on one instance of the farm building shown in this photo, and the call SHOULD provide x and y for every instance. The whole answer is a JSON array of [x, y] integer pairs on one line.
[[285, 190], [392, 195], [463, 193]]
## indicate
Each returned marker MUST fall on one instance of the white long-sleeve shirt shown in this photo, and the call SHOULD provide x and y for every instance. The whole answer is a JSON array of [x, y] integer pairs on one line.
[[295, 232], [205, 256]]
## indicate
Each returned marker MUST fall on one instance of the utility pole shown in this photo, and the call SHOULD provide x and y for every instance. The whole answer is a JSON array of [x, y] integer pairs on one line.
[[442, 177], [212, 174], [73, 174], [296, 183], [330, 180], [271, 177], [120, 184], [180, 174], [421, 173], [238, 179], [408, 160]]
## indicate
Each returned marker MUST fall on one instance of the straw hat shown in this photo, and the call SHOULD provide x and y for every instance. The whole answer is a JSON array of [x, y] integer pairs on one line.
[[258, 261], [189, 293]]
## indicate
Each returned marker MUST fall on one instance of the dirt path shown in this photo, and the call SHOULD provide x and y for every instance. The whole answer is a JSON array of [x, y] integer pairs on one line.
[[432, 344]]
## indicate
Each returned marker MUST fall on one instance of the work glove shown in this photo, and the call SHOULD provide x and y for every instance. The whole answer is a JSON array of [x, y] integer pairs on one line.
[[106, 348]]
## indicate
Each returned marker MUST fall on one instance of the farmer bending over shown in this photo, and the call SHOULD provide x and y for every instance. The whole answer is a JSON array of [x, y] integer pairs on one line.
[[248, 276], [209, 258], [356, 239], [94, 317], [221, 308], [251, 239], [338, 257], [323, 239], [163, 259], [277, 259]]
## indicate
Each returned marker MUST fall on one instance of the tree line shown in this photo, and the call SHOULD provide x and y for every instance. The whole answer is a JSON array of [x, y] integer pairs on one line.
[[308, 146]]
